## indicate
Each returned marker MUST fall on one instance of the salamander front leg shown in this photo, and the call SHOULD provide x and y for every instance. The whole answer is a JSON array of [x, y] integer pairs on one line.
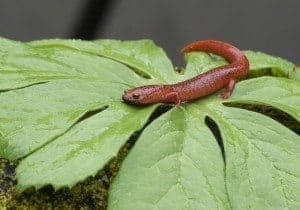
[[174, 98], [228, 89]]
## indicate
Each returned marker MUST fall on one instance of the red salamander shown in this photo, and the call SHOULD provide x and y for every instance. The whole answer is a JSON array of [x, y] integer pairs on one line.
[[199, 86]]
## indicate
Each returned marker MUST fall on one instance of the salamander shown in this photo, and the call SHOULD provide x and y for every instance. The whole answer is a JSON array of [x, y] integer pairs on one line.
[[201, 85]]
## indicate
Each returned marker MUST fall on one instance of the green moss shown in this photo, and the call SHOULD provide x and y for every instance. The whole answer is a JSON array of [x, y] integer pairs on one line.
[[90, 194]]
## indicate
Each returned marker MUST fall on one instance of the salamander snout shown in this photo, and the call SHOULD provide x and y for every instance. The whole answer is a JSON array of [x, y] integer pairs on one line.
[[143, 95], [130, 97]]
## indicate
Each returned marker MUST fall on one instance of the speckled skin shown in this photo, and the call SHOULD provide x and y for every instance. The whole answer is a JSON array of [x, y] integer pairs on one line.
[[199, 86]]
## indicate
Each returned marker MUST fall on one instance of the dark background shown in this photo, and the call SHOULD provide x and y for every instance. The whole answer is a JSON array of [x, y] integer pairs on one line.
[[271, 26]]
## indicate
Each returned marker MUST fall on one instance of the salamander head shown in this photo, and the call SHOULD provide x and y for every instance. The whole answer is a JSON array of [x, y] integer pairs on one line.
[[144, 95]]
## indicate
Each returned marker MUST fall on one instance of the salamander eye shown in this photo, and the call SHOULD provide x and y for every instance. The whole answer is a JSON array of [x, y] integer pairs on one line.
[[135, 96]]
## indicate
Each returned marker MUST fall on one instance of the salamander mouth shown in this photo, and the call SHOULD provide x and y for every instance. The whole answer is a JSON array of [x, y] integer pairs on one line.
[[128, 99], [132, 101]]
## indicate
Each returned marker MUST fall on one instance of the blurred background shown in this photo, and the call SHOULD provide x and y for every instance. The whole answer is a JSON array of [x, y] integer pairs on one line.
[[271, 26]]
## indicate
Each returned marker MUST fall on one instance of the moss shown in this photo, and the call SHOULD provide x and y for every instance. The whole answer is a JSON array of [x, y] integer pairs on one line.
[[90, 194]]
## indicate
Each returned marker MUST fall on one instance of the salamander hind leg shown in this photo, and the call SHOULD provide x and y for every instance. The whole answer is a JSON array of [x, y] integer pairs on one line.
[[173, 97], [228, 89]]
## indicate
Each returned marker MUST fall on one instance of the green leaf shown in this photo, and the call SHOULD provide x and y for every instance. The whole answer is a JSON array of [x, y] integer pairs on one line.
[[84, 149], [146, 59], [176, 164], [31, 66], [62, 115], [278, 66], [262, 157], [199, 62], [31, 118], [258, 151], [280, 93]]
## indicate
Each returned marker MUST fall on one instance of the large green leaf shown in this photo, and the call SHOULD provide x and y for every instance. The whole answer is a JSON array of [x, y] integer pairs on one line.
[[262, 157], [176, 164], [79, 153], [180, 153], [62, 115]]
